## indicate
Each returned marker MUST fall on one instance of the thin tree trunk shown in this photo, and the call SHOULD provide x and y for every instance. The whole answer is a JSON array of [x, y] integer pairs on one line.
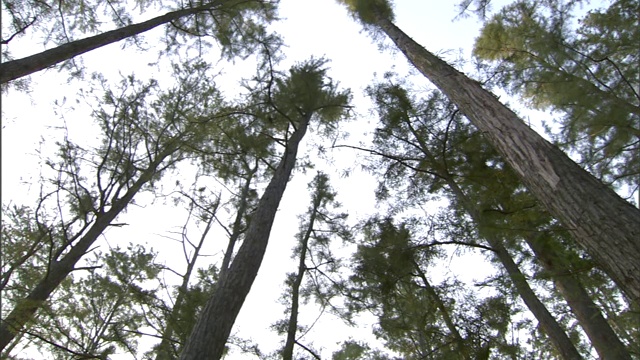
[[209, 335], [602, 336], [292, 326], [15, 69], [460, 343], [235, 230], [164, 350], [550, 326], [547, 322], [604, 224], [58, 270]]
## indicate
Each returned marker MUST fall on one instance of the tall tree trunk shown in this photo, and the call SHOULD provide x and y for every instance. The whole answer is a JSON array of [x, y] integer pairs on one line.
[[209, 336], [547, 322], [15, 69], [58, 270], [604, 224], [292, 326], [602, 336]]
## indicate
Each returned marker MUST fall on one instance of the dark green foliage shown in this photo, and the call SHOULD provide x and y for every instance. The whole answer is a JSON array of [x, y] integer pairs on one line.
[[97, 313], [352, 350], [417, 317], [368, 11]]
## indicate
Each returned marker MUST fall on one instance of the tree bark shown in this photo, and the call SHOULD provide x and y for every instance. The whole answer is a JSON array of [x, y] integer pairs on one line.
[[604, 224], [602, 336], [15, 69], [209, 336], [58, 270]]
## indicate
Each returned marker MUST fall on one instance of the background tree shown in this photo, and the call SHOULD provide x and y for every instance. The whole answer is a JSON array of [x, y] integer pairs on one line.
[[141, 138], [313, 252], [419, 317], [97, 314], [237, 26], [188, 299], [290, 103]]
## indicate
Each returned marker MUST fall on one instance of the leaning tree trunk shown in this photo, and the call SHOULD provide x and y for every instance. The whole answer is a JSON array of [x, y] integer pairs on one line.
[[58, 270], [209, 335], [15, 69], [602, 336], [236, 229], [604, 224]]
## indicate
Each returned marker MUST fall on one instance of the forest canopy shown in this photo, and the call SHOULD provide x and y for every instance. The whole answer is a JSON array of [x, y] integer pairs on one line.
[[239, 179]]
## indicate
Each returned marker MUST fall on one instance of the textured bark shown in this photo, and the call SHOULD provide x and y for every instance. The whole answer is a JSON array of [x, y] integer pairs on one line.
[[602, 336], [58, 270], [210, 333], [15, 69], [604, 224]]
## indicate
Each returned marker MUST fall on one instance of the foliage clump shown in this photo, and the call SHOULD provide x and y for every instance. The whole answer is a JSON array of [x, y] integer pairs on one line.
[[369, 11]]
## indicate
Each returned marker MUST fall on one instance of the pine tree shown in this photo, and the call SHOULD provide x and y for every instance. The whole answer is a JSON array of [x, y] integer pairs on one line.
[[605, 225], [142, 136], [317, 228], [290, 103], [442, 152]]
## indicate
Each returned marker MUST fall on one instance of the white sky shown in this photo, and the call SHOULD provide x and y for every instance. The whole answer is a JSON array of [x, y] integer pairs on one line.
[[309, 27]]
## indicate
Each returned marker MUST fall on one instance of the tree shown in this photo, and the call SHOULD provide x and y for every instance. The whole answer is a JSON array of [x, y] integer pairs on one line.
[[317, 227], [431, 141], [290, 103], [605, 225], [418, 317], [97, 314], [240, 156], [228, 21], [144, 133]]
